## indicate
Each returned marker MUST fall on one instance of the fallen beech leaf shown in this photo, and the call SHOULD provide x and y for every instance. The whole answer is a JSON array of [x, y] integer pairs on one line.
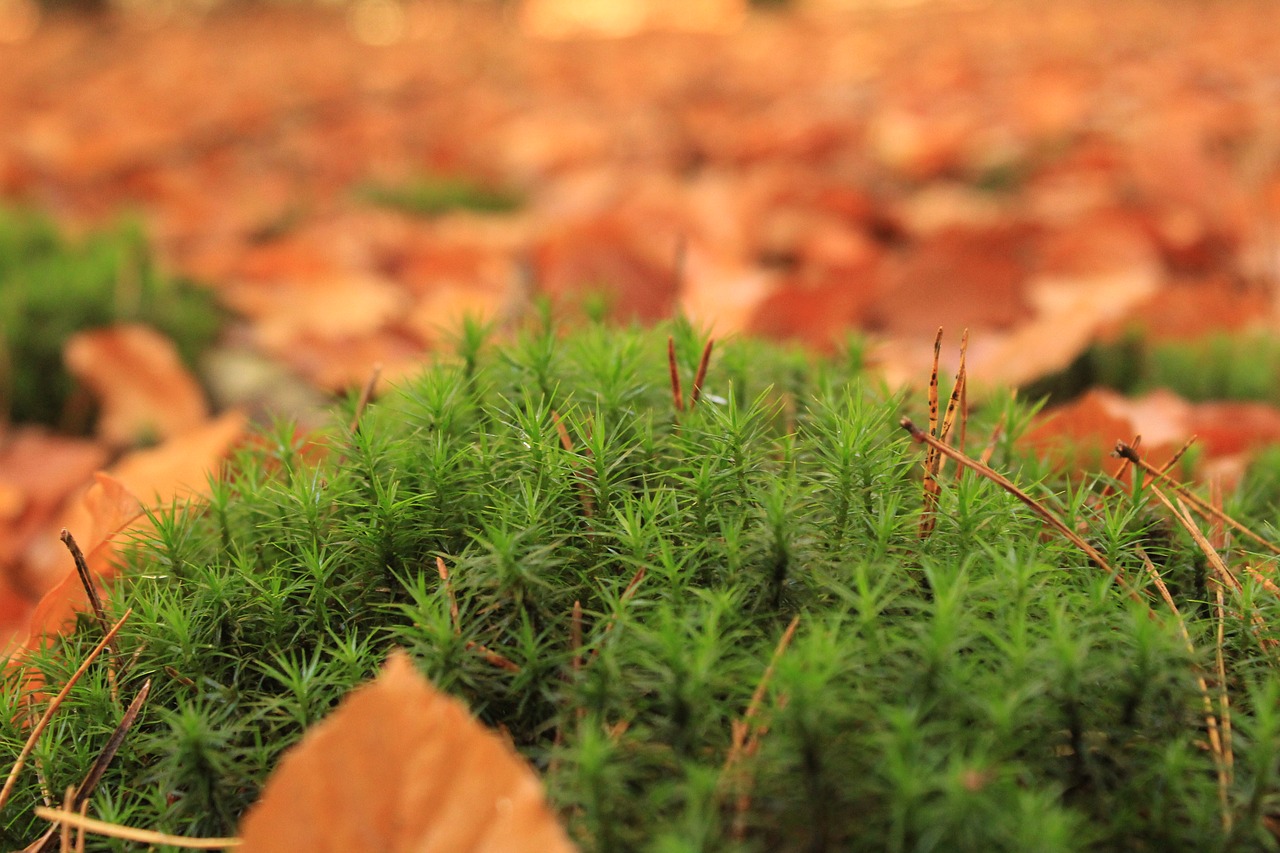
[[1083, 432], [400, 766], [139, 380], [156, 477], [107, 509]]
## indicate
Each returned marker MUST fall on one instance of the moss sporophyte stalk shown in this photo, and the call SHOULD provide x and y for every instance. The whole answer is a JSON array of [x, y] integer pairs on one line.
[[717, 625]]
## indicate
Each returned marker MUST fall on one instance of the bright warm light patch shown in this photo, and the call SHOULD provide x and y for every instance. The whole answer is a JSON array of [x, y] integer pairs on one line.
[[19, 20], [616, 18]]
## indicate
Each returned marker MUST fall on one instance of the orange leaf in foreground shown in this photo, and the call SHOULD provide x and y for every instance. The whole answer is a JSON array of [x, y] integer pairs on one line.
[[400, 766], [139, 380]]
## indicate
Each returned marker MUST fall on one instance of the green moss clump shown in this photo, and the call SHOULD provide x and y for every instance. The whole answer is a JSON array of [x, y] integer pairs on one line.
[[986, 688], [436, 195], [52, 287]]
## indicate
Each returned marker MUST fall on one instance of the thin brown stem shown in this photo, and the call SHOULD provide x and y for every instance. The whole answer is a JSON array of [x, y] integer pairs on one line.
[[677, 393], [86, 579], [443, 571], [701, 375]]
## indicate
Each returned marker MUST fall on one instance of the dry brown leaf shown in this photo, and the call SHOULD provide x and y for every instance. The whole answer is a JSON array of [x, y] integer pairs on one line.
[[400, 767], [139, 381], [108, 508]]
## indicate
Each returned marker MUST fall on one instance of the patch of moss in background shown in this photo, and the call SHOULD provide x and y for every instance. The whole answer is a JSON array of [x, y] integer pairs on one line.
[[1220, 366], [434, 195], [52, 287]]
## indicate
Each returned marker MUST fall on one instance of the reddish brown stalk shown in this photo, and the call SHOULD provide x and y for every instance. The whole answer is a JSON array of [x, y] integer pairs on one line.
[[1197, 503], [746, 740], [1040, 509], [933, 384], [443, 571], [54, 704], [565, 441], [366, 394], [929, 480], [957, 394], [677, 394], [623, 599], [575, 636], [585, 497], [492, 657], [698, 378]]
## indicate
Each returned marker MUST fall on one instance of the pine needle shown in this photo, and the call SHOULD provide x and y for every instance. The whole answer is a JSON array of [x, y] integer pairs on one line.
[[127, 833], [57, 701], [1035, 505]]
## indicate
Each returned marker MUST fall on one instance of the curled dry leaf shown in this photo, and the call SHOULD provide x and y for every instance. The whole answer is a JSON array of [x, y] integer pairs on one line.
[[400, 766], [139, 381]]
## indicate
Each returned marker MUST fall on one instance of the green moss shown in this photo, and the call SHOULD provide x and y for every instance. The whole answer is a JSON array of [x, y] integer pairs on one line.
[[1219, 366], [434, 195], [984, 689], [52, 287]]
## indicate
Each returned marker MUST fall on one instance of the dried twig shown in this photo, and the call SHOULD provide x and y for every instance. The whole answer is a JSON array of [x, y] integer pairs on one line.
[[1200, 505], [86, 579], [1224, 701], [1218, 741], [443, 571], [57, 701]]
